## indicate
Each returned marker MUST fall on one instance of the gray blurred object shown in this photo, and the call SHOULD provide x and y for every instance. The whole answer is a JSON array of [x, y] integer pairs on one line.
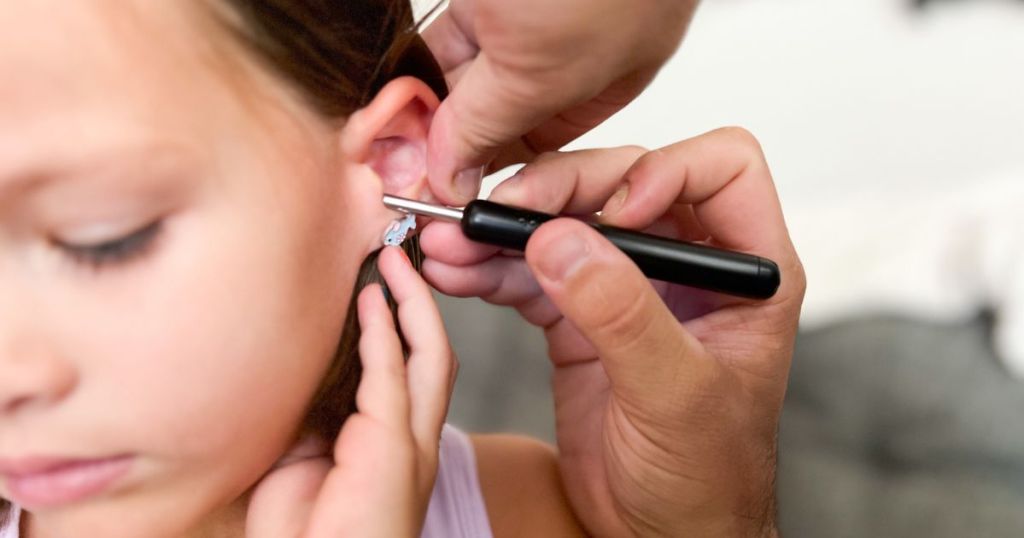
[[892, 427], [898, 428], [504, 375]]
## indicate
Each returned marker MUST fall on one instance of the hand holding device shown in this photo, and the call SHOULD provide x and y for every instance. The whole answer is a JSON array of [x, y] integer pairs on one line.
[[667, 398], [532, 75]]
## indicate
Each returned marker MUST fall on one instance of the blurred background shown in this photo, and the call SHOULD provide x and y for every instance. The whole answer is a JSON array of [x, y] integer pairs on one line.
[[895, 131]]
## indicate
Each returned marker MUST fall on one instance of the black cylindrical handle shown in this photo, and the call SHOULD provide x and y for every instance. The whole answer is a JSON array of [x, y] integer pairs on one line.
[[659, 258]]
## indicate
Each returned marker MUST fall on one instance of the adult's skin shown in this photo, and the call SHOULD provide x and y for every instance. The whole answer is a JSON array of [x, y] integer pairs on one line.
[[531, 75], [667, 398]]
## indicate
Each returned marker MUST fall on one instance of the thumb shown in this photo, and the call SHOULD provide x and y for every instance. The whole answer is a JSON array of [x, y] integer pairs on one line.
[[647, 354], [489, 107]]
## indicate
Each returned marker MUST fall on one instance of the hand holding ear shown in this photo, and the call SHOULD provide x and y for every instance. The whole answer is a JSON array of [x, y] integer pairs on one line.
[[532, 75], [667, 398], [379, 481]]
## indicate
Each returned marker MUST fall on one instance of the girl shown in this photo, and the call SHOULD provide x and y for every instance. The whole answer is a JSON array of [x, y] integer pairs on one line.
[[190, 195], [188, 192]]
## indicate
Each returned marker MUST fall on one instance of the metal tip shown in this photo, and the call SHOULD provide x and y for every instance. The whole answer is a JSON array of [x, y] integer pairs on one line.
[[405, 205]]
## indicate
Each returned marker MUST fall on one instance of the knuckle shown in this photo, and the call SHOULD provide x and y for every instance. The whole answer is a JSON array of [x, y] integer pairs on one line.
[[800, 276], [455, 363], [619, 313], [547, 183], [632, 152], [547, 156], [370, 334], [396, 370], [795, 280], [647, 164], [741, 137], [449, 286], [634, 148]]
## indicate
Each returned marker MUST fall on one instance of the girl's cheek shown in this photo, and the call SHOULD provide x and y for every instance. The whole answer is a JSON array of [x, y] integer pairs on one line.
[[187, 346], [250, 330]]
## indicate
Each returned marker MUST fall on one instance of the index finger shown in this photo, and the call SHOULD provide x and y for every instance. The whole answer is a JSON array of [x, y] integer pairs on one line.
[[431, 364], [491, 106], [724, 176]]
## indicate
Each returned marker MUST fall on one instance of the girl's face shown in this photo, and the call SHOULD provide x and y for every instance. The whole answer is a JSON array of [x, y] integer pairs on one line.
[[179, 238]]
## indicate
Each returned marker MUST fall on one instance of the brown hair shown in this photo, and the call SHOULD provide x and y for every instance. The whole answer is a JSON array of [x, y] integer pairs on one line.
[[337, 55]]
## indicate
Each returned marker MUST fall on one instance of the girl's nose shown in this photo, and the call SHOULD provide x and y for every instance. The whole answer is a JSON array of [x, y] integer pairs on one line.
[[31, 380]]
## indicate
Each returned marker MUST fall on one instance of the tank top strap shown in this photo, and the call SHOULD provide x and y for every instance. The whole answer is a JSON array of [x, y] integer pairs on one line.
[[10, 528], [457, 508]]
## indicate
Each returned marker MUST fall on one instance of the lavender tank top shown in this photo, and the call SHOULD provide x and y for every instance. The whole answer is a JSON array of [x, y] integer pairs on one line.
[[456, 507]]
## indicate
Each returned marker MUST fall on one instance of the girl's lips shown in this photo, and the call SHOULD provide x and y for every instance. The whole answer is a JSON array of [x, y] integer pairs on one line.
[[42, 482]]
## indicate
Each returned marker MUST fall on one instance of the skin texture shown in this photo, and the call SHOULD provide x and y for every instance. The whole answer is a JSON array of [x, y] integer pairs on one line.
[[385, 458], [198, 354], [522, 83], [522, 488], [667, 398]]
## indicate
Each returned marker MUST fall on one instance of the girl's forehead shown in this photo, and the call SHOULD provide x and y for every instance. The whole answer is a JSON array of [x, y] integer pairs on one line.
[[97, 30], [103, 49], [97, 74]]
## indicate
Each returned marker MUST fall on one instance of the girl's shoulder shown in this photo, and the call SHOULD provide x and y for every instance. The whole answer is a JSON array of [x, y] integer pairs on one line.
[[522, 487]]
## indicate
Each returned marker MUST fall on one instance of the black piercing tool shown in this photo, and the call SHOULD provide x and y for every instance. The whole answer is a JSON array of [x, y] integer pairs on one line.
[[689, 264]]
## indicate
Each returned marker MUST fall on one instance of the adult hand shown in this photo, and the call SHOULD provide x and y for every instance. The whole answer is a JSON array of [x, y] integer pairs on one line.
[[379, 481], [667, 398], [531, 75]]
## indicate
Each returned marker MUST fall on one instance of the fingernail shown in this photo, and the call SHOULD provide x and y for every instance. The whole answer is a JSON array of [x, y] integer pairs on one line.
[[401, 252], [564, 256], [615, 203], [467, 182]]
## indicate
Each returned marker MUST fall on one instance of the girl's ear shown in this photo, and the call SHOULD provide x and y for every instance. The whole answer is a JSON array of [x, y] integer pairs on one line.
[[389, 136]]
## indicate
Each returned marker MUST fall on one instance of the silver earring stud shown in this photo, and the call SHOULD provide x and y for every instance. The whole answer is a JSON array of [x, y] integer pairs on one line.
[[399, 229]]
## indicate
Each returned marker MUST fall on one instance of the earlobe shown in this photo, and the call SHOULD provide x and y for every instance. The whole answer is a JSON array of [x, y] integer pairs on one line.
[[389, 135]]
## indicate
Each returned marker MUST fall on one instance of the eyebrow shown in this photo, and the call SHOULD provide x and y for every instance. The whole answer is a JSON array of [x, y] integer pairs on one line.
[[147, 159]]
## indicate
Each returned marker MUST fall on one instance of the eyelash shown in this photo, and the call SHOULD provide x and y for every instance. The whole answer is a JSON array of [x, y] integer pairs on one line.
[[116, 251]]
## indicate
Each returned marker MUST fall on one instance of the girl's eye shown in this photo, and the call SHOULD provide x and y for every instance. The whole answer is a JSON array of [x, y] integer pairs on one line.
[[115, 251]]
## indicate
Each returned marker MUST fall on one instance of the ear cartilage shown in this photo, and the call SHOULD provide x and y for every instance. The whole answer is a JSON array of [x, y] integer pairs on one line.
[[399, 229], [660, 258]]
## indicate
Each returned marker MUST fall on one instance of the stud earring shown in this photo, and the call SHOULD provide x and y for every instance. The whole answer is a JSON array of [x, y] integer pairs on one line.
[[399, 229]]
